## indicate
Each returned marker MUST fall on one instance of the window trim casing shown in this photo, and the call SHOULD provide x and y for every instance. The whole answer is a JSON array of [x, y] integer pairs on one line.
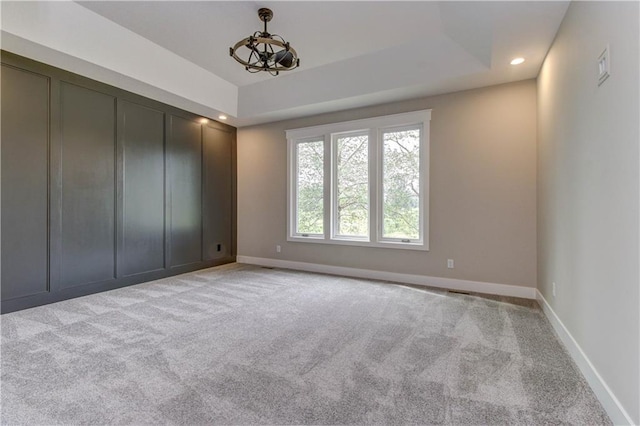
[[375, 126]]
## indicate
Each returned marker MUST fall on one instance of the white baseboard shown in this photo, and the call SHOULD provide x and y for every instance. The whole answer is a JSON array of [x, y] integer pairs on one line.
[[612, 406], [446, 283]]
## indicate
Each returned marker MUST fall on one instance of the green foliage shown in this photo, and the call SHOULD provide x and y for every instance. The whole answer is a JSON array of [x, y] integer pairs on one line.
[[310, 187], [353, 185]]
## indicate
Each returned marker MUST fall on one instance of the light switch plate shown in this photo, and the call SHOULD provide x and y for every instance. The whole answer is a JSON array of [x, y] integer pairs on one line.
[[603, 66]]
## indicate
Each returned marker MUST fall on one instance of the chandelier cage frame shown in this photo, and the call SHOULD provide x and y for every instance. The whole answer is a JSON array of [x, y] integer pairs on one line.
[[267, 52]]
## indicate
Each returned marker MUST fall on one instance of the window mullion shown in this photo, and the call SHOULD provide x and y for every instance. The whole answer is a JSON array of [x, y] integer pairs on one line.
[[380, 185], [328, 188], [374, 187]]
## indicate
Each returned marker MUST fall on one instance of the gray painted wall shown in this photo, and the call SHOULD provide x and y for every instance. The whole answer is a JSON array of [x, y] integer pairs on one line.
[[588, 189], [102, 188], [482, 192]]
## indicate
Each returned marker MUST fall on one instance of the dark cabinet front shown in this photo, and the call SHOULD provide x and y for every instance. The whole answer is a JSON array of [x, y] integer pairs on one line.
[[102, 188]]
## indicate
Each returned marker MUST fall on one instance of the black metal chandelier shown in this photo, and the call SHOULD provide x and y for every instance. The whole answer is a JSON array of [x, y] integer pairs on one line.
[[266, 52]]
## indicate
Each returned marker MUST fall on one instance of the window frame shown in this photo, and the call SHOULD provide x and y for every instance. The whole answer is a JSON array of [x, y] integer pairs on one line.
[[375, 127]]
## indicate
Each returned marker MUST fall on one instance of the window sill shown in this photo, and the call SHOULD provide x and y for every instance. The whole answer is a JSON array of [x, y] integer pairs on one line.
[[356, 243]]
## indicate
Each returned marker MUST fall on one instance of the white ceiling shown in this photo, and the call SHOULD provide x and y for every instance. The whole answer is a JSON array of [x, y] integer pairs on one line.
[[352, 53], [322, 32]]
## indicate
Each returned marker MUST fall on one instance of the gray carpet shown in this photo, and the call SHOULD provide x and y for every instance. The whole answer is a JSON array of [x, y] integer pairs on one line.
[[245, 345]]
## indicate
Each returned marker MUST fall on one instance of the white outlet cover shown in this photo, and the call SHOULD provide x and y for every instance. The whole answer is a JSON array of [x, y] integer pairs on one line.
[[603, 66]]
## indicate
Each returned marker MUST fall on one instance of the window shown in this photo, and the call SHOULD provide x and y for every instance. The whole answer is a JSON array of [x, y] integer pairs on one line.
[[351, 179], [310, 188], [361, 182], [401, 184]]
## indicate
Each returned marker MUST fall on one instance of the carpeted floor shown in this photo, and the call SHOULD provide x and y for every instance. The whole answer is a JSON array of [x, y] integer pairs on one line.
[[246, 345]]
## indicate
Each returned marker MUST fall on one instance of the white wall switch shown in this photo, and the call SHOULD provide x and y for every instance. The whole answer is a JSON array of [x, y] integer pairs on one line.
[[553, 289], [450, 263], [603, 66], [278, 249]]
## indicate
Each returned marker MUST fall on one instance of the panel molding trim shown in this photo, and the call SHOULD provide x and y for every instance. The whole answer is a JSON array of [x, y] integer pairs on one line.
[[421, 280], [611, 404], [101, 141]]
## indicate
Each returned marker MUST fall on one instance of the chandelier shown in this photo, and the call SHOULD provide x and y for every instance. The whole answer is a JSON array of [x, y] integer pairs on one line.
[[265, 52]]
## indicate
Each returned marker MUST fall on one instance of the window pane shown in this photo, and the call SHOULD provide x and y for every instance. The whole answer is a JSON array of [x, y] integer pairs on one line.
[[401, 184], [310, 185], [352, 165]]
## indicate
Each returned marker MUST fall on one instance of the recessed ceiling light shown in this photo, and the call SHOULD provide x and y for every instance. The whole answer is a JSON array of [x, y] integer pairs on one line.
[[204, 121], [222, 117], [517, 61]]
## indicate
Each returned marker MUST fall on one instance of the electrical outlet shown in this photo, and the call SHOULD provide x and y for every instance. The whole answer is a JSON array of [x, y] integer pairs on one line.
[[553, 289], [450, 263], [278, 249]]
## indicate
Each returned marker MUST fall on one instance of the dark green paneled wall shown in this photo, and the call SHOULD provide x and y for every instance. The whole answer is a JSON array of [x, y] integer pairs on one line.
[[25, 147], [185, 172], [87, 136], [141, 143], [102, 188]]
